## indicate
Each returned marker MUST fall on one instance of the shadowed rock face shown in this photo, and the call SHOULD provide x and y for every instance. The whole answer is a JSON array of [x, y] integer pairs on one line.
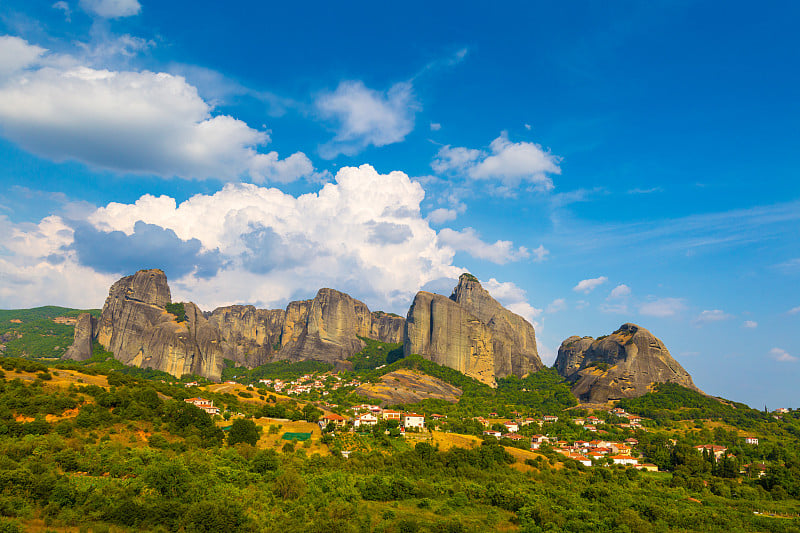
[[472, 333], [327, 328], [136, 328], [85, 329], [251, 335], [625, 364]]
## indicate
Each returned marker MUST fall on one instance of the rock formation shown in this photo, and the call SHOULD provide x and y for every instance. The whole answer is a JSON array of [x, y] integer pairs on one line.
[[471, 332], [625, 364], [328, 328], [85, 331], [137, 329], [135, 326]]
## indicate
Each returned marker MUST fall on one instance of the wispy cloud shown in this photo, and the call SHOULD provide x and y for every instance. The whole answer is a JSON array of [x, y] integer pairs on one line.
[[793, 310], [709, 316], [588, 285], [662, 307], [365, 117], [712, 230], [557, 305], [750, 324], [646, 191], [779, 354]]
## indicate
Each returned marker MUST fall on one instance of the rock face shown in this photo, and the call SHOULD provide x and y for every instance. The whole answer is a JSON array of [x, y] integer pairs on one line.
[[85, 330], [327, 328], [625, 364], [137, 329], [471, 332], [251, 335], [135, 326]]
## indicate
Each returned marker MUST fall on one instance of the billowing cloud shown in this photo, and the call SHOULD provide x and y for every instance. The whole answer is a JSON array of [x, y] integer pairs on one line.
[[118, 253], [110, 9], [468, 240], [662, 307], [588, 285], [364, 117], [17, 54], [507, 162], [363, 234], [133, 122], [709, 316], [779, 354]]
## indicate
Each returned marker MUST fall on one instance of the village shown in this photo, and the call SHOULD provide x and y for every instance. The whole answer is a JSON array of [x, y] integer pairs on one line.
[[598, 451]]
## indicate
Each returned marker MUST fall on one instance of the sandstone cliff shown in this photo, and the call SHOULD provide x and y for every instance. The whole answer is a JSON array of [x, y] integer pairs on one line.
[[137, 329], [471, 332], [625, 364], [328, 329], [135, 326], [85, 331]]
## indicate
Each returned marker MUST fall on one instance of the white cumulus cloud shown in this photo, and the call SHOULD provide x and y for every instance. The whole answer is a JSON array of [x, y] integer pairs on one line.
[[134, 122], [619, 292], [750, 324], [588, 285], [365, 117], [508, 162]]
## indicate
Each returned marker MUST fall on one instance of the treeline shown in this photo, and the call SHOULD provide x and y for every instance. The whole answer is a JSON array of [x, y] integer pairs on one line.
[[671, 401]]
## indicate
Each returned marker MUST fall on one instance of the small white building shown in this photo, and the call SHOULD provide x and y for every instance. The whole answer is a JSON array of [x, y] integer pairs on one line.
[[626, 460], [413, 420], [366, 419], [751, 440], [511, 427]]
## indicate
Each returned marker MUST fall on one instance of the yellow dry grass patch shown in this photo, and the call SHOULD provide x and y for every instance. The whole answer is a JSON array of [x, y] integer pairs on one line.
[[445, 441], [276, 442], [222, 388]]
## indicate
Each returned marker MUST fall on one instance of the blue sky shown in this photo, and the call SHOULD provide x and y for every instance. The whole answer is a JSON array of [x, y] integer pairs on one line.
[[591, 164]]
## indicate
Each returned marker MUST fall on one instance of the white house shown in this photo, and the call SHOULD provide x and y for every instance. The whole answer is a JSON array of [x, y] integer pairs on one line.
[[413, 420], [626, 460], [511, 427], [751, 440], [366, 419]]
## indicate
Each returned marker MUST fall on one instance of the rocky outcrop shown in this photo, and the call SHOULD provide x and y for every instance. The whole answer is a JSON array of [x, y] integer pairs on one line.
[[85, 330], [329, 328], [135, 326], [514, 337], [471, 332], [407, 386], [251, 335], [625, 364]]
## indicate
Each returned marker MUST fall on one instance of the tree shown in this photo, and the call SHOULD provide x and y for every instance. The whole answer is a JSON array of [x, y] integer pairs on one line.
[[243, 430]]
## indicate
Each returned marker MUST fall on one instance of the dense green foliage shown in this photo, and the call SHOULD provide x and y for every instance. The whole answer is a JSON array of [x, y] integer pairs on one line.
[[376, 354], [671, 401], [178, 310], [276, 370], [37, 335]]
